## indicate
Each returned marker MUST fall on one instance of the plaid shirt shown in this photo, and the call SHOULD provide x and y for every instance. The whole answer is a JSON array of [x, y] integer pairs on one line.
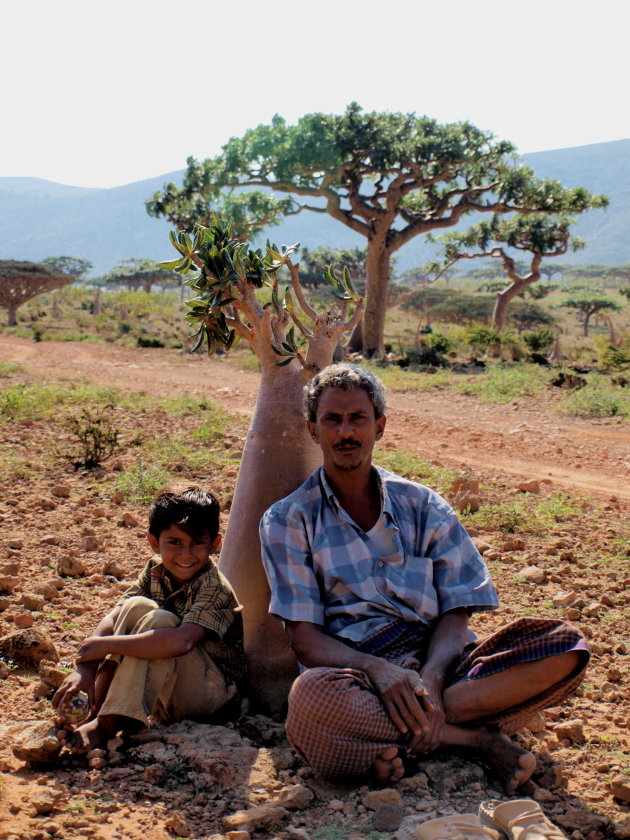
[[321, 570], [207, 600]]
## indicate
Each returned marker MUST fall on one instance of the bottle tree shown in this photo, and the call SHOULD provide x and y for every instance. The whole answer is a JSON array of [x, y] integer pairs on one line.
[[238, 297]]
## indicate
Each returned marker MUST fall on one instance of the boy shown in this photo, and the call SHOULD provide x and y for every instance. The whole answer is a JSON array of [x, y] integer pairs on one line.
[[173, 645]]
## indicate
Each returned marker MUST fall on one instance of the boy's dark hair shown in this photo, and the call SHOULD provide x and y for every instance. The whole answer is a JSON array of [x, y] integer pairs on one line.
[[188, 506]]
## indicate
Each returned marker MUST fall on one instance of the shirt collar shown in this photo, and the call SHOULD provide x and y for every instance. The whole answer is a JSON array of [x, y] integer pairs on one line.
[[158, 571], [386, 503]]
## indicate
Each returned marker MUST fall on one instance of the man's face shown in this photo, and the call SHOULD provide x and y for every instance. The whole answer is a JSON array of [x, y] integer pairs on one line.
[[346, 429]]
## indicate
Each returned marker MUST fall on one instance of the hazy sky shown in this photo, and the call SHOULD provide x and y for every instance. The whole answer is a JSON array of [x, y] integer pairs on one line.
[[99, 95]]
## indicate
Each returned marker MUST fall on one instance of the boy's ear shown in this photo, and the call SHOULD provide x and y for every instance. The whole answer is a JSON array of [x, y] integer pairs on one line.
[[216, 543], [153, 542]]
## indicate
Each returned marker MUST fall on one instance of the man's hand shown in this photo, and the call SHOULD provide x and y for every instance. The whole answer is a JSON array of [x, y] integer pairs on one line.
[[430, 738], [404, 696]]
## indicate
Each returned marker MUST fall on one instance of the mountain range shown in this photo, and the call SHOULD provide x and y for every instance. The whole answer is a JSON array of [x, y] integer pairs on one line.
[[41, 218]]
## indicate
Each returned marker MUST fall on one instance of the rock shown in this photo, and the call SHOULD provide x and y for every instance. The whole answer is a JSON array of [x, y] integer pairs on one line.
[[24, 620], [47, 592], [118, 498], [614, 674], [570, 730], [128, 520], [263, 817], [513, 544], [294, 834], [573, 614], [536, 723], [564, 599], [61, 491], [620, 788], [592, 610], [154, 774], [12, 569], [387, 817], [97, 763], [177, 824], [114, 569], [36, 741], [50, 539], [32, 601], [466, 502], [534, 574], [28, 647], [481, 545], [90, 543], [376, 797], [531, 486], [15, 542], [4, 670], [621, 829], [295, 797], [71, 567], [8, 583], [45, 800], [580, 820], [48, 504]]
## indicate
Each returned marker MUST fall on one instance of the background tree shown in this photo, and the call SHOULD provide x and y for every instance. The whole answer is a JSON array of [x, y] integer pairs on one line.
[[239, 297], [462, 309], [22, 281], [588, 303], [77, 267], [540, 235], [140, 272], [199, 199], [525, 315], [314, 262], [389, 177]]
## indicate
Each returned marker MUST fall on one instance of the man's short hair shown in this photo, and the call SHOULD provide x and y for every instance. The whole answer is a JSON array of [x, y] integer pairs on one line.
[[347, 378], [188, 506]]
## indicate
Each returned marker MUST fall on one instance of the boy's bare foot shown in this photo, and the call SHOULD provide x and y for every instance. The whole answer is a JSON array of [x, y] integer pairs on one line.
[[513, 764], [388, 767]]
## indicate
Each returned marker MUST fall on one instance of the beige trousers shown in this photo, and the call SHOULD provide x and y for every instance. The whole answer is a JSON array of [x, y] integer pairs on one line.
[[186, 687]]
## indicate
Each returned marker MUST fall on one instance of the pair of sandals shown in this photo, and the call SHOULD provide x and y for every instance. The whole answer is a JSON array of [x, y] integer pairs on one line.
[[518, 819]]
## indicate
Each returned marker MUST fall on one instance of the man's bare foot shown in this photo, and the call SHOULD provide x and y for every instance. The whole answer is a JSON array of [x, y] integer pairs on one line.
[[513, 764], [88, 736], [388, 767]]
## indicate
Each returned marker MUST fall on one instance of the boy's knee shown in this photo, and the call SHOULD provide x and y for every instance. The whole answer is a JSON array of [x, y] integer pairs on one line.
[[160, 618]]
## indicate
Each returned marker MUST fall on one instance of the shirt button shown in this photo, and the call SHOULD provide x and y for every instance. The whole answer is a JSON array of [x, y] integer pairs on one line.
[[380, 562]]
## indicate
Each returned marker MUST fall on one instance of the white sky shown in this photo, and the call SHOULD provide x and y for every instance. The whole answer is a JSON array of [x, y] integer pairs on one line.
[[102, 95]]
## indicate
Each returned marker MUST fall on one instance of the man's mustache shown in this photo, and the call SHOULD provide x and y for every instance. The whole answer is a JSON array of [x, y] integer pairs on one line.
[[347, 444]]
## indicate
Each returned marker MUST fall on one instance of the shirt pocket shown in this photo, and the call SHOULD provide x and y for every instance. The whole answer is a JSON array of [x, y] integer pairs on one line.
[[420, 592]]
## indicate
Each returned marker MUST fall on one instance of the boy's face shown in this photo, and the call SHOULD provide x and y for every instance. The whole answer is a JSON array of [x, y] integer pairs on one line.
[[183, 555]]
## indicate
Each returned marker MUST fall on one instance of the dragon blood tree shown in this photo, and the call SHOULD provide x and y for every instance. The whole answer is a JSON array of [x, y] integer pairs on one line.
[[238, 297], [22, 281]]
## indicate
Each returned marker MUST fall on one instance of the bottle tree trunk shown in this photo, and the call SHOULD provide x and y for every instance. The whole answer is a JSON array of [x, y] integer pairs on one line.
[[376, 295], [12, 312], [278, 456]]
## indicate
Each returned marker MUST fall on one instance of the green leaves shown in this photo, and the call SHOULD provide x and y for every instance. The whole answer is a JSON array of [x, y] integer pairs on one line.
[[288, 349], [342, 287]]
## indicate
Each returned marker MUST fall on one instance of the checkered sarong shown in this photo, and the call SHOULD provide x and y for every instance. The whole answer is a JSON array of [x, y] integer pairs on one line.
[[339, 726]]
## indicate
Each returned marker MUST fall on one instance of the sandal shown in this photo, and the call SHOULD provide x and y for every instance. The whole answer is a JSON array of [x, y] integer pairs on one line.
[[519, 819], [453, 827]]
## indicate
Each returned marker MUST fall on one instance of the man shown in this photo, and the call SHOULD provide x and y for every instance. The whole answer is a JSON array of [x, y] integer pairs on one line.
[[375, 579]]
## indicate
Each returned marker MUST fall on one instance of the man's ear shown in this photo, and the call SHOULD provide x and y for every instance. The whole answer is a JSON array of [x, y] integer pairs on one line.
[[312, 430], [153, 542], [216, 544], [380, 427]]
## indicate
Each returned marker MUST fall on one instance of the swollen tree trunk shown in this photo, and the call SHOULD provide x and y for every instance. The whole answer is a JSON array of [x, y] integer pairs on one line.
[[12, 311], [376, 298], [278, 456]]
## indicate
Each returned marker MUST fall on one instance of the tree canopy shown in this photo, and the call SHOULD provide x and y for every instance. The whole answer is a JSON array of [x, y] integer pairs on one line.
[[140, 272], [22, 281], [387, 176], [588, 302], [75, 266]]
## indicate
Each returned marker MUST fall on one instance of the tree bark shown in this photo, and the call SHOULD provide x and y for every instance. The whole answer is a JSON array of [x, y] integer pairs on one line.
[[376, 298], [12, 310]]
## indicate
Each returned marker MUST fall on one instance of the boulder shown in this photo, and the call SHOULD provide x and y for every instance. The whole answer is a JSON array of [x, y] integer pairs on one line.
[[36, 742], [28, 647]]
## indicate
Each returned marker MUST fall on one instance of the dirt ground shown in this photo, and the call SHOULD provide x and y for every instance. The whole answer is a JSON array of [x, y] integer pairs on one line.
[[196, 780]]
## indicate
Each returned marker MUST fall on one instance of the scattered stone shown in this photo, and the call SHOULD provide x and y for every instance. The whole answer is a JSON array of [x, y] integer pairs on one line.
[[263, 817], [534, 574], [620, 788], [387, 817], [177, 824], [4, 670], [48, 504], [118, 498], [128, 520], [481, 545], [15, 542], [24, 621], [573, 614], [45, 800], [581, 820], [32, 601], [61, 491], [295, 797], [47, 592], [154, 774], [466, 502], [376, 797], [36, 741], [11, 569], [564, 599], [570, 730], [621, 829], [531, 486], [294, 834], [90, 543], [512, 543], [114, 569], [8, 583], [50, 539], [592, 610], [28, 647], [71, 566]]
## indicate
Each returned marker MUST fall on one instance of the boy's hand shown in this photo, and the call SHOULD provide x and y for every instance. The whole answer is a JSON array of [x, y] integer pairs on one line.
[[81, 680], [92, 649]]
